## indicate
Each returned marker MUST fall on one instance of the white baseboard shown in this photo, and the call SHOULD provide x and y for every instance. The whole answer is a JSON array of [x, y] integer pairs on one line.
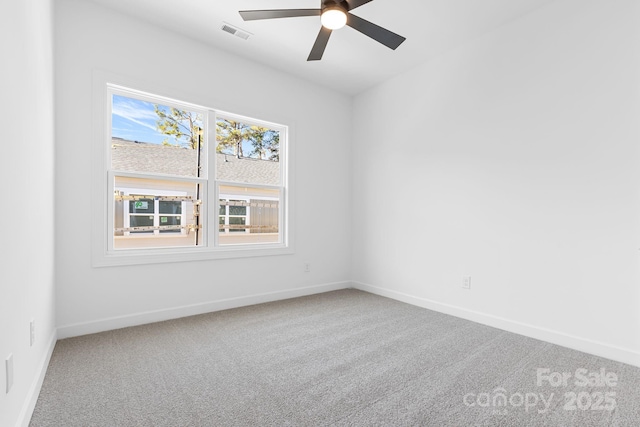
[[596, 348], [34, 391], [108, 324]]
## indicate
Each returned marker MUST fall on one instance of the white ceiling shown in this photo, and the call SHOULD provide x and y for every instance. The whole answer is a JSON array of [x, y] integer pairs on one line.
[[352, 62]]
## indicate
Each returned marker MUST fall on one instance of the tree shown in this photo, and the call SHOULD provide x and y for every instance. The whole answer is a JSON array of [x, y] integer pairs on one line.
[[229, 135], [232, 135], [184, 126], [265, 143]]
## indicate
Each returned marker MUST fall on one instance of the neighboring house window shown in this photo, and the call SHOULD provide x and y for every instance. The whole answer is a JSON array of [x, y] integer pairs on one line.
[[234, 216], [173, 166], [162, 214]]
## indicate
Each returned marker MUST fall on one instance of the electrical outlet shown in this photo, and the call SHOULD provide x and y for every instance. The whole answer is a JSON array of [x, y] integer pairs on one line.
[[307, 268], [32, 332], [466, 282], [9, 369]]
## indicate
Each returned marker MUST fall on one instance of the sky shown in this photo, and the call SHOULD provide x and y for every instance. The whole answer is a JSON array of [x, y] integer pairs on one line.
[[135, 120]]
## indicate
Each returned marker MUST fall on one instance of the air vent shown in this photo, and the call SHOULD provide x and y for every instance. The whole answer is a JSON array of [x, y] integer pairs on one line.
[[228, 28]]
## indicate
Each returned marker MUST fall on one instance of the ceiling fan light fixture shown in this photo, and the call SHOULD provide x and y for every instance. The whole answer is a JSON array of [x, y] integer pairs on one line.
[[334, 14], [333, 18]]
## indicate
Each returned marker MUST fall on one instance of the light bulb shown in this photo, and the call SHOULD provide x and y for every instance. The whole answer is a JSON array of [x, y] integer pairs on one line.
[[333, 19]]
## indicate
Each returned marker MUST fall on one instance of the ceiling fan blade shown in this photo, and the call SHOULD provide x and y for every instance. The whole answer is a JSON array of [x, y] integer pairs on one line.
[[320, 44], [379, 34], [356, 3], [253, 15]]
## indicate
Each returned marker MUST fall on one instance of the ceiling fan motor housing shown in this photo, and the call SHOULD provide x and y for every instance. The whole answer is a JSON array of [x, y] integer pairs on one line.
[[332, 4]]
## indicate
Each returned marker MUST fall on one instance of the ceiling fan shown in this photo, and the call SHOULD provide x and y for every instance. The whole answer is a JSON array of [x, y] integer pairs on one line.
[[334, 14]]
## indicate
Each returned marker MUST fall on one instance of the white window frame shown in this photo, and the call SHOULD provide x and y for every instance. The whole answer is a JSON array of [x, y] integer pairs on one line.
[[103, 253]]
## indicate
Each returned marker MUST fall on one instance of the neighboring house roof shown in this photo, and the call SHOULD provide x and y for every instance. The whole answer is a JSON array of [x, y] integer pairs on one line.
[[168, 159]]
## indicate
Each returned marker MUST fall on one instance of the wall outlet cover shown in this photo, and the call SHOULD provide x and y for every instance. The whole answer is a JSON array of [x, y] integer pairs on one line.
[[466, 282]]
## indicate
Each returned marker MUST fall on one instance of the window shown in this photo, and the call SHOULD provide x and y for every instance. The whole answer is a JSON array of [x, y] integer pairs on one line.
[[249, 181], [191, 180], [143, 214], [156, 174], [234, 216]]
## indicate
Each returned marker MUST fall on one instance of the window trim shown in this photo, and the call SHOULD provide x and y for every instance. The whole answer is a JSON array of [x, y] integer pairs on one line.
[[102, 211]]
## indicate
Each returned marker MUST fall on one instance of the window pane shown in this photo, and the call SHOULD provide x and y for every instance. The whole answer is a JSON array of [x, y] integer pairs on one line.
[[223, 207], [235, 221], [170, 220], [141, 206], [170, 207], [237, 210], [247, 153], [141, 221], [260, 216], [154, 138], [134, 200]]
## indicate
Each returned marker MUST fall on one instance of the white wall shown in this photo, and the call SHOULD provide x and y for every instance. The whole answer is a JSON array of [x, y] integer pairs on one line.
[[513, 159], [26, 168], [88, 38]]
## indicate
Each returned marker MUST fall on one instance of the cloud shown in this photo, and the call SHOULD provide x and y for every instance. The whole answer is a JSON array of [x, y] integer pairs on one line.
[[138, 112], [137, 122]]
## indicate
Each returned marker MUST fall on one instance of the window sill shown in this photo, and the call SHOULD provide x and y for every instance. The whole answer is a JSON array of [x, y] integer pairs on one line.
[[165, 255], [151, 236]]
